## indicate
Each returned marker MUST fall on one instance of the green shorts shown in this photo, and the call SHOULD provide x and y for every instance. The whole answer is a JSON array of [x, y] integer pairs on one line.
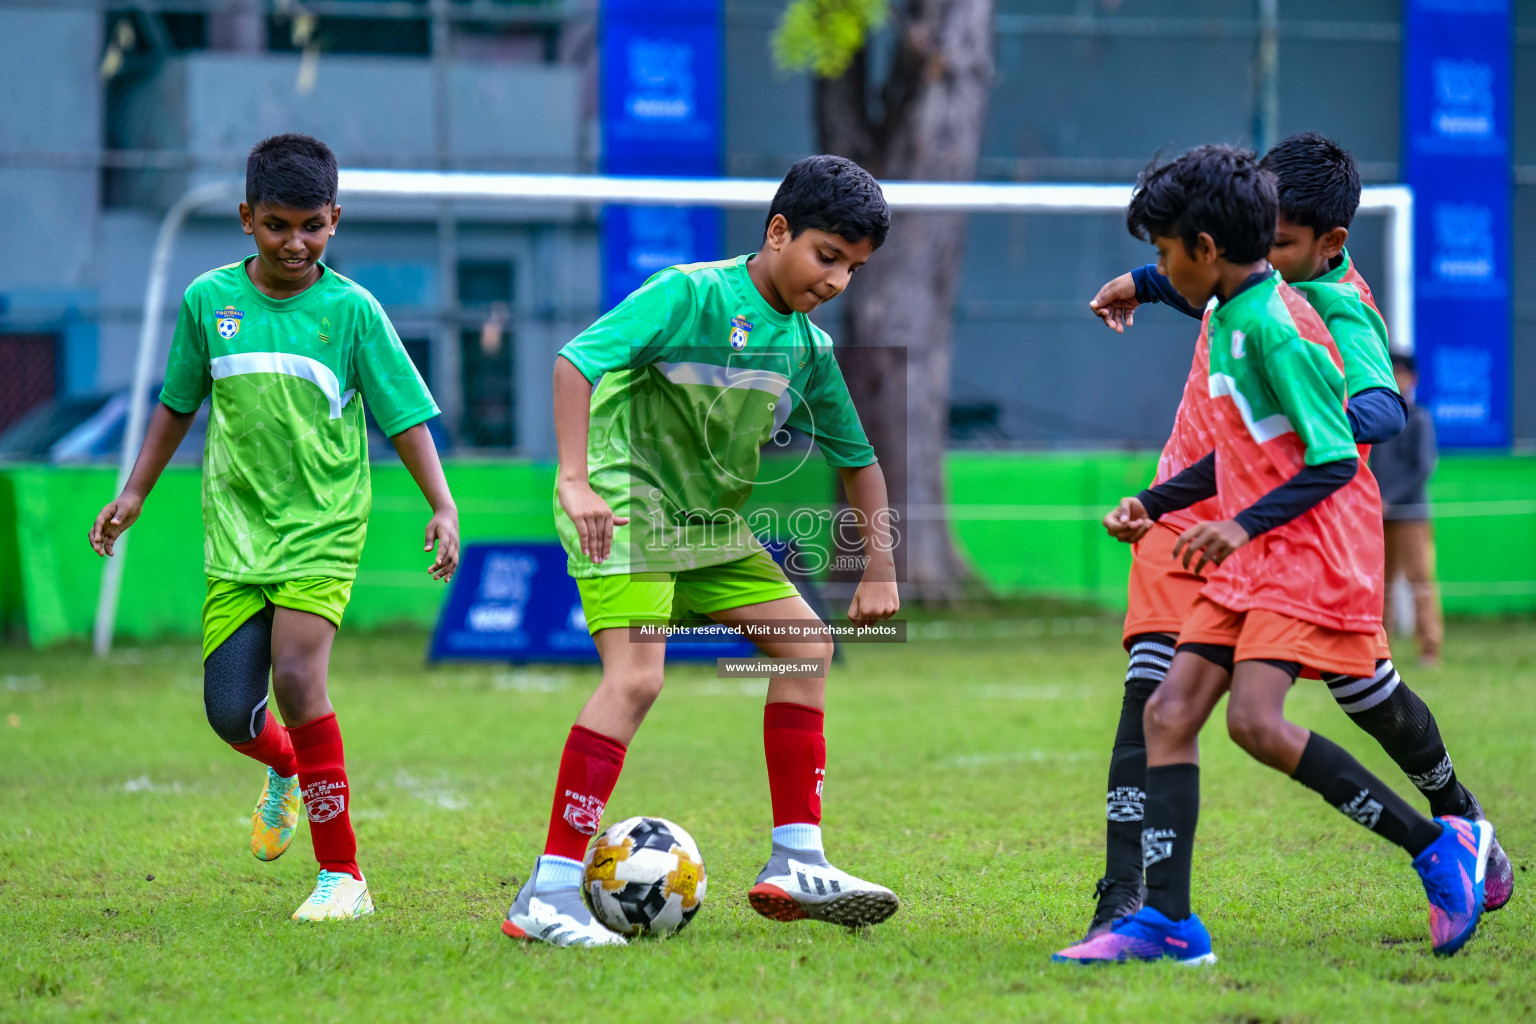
[[634, 599], [229, 604]]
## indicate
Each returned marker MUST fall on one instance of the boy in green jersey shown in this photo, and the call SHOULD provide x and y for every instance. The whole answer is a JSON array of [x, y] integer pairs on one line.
[[661, 408], [289, 349]]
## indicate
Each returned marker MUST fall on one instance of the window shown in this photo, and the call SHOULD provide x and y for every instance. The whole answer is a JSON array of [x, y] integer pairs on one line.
[[420, 351], [28, 364], [485, 353], [411, 36]]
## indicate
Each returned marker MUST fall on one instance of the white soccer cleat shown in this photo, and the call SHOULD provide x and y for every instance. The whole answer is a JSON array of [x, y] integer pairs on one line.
[[798, 884], [337, 897], [557, 917]]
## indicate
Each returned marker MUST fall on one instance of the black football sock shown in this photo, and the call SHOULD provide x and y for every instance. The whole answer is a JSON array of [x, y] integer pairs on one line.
[[1402, 723], [1168, 836], [1150, 655], [1331, 771]]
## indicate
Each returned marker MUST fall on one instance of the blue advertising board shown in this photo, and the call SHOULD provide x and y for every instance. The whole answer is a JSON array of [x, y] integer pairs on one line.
[[516, 603], [660, 106], [1456, 149]]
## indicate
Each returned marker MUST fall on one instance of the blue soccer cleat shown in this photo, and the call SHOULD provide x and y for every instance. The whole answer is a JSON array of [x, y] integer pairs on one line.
[[1454, 870], [1145, 935]]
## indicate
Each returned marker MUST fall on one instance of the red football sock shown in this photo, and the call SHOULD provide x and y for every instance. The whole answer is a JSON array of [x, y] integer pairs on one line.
[[589, 769], [323, 784], [272, 748], [797, 762]]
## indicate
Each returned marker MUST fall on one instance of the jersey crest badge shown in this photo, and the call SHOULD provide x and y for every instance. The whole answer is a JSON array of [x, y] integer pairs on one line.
[[227, 320], [741, 328], [1238, 337], [325, 330]]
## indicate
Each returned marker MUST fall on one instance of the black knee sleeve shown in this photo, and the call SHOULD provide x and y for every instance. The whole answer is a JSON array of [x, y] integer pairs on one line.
[[235, 681]]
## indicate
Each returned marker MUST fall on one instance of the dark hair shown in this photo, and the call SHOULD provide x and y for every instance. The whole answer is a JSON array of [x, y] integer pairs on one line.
[[1319, 182], [291, 170], [1405, 361], [832, 193], [1219, 190]]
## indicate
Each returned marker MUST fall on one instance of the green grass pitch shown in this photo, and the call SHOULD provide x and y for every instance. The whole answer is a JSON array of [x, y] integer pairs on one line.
[[966, 771]]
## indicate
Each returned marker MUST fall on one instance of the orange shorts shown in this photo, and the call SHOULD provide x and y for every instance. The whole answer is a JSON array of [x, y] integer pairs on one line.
[[1266, 634], [1161, 590], [1383, 653]]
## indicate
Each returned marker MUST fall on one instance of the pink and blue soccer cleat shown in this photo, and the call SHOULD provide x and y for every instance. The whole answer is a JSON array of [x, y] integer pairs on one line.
[[1501, 874], [1145, 935], [1454, 871], [1501, 878]]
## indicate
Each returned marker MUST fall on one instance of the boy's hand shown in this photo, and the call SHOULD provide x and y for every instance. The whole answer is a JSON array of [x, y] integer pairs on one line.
[[593, 518], [1129, 521], [1215, 541], [873, 601], [1116, 303], [113, 519], [443, 530]]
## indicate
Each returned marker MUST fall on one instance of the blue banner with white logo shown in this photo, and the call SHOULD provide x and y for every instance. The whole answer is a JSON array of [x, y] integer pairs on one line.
[[661, 109], [516, 603], [1456, 147]]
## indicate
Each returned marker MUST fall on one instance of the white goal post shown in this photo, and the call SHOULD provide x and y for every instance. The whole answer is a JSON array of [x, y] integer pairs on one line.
[[1395, 201]]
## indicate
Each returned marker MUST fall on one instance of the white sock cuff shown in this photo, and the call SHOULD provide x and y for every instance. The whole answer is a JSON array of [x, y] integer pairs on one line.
[[557, 873], [799, 837]]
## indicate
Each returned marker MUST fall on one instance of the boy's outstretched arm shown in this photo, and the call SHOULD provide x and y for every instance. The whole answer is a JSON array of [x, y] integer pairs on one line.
[[167, 429], [573, 415], [1117, 300], [876, 597], [416, 450]]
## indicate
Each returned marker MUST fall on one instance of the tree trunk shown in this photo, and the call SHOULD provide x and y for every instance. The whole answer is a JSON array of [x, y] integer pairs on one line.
[[898, 325]]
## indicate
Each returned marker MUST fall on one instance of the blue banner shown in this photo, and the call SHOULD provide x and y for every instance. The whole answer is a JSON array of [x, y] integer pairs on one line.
[[661, 116], [1456, 153], [516, 603]]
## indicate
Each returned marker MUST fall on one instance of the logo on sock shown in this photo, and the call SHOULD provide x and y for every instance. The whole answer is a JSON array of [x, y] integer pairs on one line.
[[324, 800], [1362, 809], [1436, 777], [1156, 845], [583, 813], [1124, 804]]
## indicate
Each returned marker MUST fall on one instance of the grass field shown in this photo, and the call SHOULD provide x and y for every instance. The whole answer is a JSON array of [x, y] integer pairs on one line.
[[966, 772]]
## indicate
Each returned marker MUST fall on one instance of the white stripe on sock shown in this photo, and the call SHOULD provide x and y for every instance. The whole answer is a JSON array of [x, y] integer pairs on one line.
[[557, 873], [799, 837]]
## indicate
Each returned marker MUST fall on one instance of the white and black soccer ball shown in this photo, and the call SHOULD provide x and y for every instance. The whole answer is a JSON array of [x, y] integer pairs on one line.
[[644, 876]]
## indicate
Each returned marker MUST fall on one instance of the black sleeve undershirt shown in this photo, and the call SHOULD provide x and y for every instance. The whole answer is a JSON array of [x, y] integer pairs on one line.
[[1305, 490], [1154, 287], [1376, 415]]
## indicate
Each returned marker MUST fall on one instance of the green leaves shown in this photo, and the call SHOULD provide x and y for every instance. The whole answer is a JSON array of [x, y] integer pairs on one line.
[[823, 36]]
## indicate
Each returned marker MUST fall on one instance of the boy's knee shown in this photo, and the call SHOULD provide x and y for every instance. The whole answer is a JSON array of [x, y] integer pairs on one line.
[[639, 687], [235, 721], [1253, 730], [1168, 716], [820, 651], [294, 676]]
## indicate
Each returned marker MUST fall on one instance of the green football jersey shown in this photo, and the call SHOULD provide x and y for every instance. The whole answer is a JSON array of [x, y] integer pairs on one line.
[[285, 470], [1269, 354], [694, 373], [1344, 301]]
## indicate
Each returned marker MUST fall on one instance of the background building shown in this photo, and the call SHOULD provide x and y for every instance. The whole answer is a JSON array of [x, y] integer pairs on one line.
[[112, 112]]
